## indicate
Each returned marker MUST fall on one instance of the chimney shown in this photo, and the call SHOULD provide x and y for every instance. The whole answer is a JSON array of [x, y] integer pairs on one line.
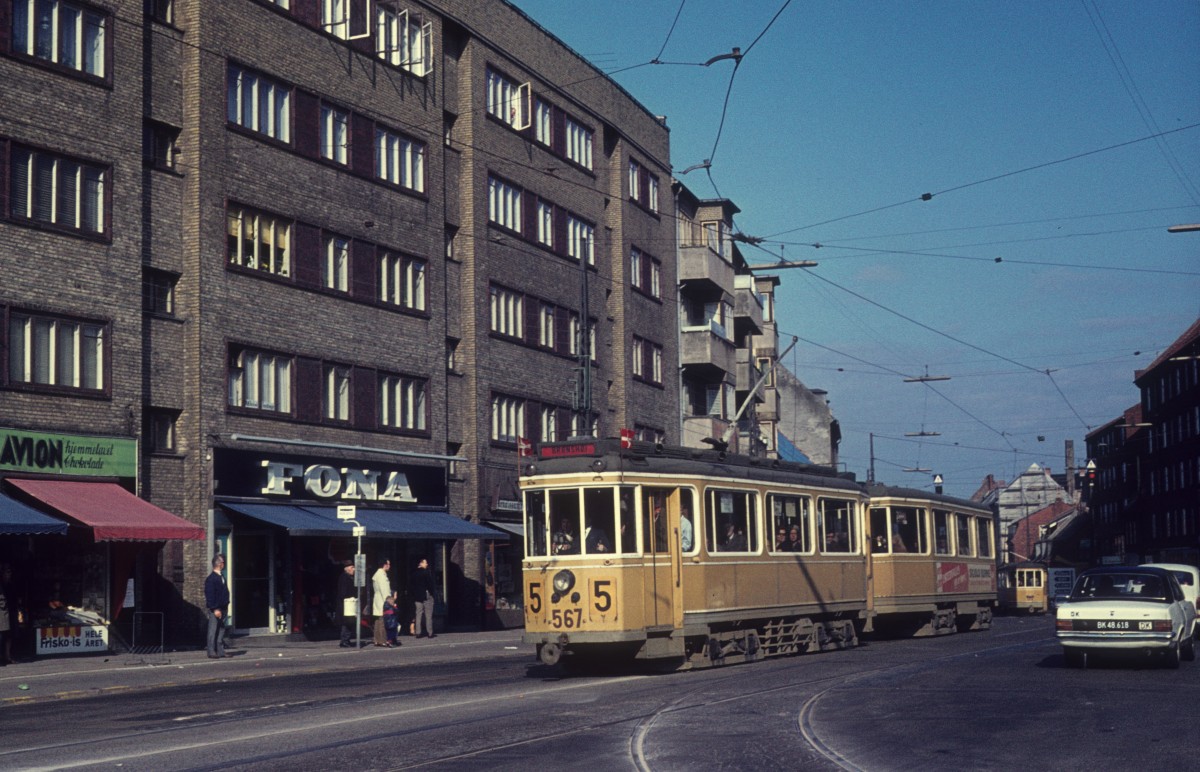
[[1070, 454]]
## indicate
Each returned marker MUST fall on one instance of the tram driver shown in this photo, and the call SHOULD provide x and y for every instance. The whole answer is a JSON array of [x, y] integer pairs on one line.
[[565, 542]]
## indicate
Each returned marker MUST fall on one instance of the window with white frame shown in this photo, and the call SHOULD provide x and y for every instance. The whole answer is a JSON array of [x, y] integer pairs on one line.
[[643, 186], [504, 204], [161, 430], [574, 333], [259, 241], [655, 279], [50, 351], [335, 134], [69, 34], [403, 39], [656, 364], [259, 380], [651, 201], [635, 181], [580, 240], [403, 403], [545, 224], [158, 292], [56, 190], [543, 123], [508, 101], [592, 341], [579, 143], [337, 393], [508, 418], [335, 17], [337, 263], [161, 10], [546, 336], [258, 103], [639, 357], [583, 428], [549, 424], [402, 281], [508, 312], [635, 268], [400, 160]]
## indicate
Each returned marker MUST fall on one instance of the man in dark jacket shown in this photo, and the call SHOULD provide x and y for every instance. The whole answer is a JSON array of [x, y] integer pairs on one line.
[[422, 588], [216, 601], [349, 597]]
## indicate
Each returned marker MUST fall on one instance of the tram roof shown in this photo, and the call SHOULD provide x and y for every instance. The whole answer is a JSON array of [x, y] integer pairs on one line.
[[574, 456], [879, 490]]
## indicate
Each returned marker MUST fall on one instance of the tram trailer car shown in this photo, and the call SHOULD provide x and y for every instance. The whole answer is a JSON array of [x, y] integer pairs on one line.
[[700, 557], [1026, 589]]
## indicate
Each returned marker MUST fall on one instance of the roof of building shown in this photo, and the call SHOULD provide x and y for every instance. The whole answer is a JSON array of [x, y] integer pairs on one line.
[[1190, 336]]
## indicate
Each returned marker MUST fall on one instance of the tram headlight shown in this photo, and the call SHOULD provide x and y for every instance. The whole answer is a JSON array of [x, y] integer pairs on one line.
[[563, 582]]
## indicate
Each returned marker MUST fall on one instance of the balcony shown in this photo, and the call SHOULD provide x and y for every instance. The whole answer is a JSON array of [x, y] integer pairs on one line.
[[701, 264], [747, 372], [706, 349], [747, 307], [698, 427]]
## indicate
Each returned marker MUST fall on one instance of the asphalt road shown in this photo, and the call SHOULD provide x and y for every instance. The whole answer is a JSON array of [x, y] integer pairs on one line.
[[995, 700]]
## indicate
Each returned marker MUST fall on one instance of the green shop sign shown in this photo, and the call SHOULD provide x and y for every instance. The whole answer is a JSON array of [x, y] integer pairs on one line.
[[76, 454]]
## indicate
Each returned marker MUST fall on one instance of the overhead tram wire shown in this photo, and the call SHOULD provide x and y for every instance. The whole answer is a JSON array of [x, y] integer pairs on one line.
[[994, 178]]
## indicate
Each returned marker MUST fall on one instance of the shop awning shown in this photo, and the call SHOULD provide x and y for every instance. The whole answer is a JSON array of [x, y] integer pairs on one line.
[[393, 523], [17, 518], [516, 529], [113, 513]]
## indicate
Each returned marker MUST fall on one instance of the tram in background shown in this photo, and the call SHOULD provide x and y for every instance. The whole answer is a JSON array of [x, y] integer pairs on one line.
[[699, 557], [1025, 588]]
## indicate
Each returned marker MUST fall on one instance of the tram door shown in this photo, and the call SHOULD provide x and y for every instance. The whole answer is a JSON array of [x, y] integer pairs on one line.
[[663, 560]]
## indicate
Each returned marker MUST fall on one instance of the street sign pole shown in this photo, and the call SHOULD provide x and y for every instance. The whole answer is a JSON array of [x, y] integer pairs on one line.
[[347, 513]]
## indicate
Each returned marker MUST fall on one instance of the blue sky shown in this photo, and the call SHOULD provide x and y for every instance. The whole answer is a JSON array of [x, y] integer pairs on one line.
[[1027, 120]]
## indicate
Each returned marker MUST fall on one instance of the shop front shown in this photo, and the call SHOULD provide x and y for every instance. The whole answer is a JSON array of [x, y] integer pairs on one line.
[[94, 575], [276, 521]]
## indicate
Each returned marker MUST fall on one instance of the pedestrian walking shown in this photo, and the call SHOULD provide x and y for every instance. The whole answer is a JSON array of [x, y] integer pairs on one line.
[[422, 587], [391, 620], [381, 590], [216, 601], [348, 594]]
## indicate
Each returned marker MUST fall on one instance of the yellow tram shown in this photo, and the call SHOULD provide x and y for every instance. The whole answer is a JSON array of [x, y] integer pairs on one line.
[[691, 555], [1025, 589]]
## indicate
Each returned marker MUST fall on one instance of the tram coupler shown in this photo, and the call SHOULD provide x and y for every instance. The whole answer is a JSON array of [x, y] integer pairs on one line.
[[551, 651]]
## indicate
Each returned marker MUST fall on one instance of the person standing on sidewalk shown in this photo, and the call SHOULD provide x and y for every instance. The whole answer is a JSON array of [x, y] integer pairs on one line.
[[349, 597], [216, 601], [422, 587], [381, 590]]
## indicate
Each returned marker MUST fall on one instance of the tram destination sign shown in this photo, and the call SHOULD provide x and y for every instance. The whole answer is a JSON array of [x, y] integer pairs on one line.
[[73, 454], [573, 449]]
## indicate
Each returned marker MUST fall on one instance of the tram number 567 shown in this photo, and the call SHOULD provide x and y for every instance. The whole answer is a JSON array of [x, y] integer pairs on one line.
[[566, 618]]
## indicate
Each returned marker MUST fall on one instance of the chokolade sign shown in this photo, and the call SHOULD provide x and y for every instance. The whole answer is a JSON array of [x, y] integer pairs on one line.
[[74, 454]]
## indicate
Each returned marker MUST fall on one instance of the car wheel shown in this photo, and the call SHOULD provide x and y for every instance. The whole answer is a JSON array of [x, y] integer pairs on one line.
[[1173, 657], [1188, 649]]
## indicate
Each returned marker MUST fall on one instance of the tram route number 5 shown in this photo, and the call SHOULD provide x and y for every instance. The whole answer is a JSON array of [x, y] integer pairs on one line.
[[602, 601]]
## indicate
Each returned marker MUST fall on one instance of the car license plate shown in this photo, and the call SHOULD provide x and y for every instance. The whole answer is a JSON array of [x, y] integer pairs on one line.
[[1114, 624]]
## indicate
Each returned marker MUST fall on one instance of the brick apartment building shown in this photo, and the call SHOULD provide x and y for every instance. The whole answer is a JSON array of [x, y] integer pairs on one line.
[[288, 255]]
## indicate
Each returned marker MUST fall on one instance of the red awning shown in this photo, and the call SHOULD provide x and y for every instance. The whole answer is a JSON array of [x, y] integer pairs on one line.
[[113, 513]]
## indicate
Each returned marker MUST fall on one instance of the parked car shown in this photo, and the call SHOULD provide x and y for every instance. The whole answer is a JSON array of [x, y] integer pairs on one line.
[[1189, 580], [1127, 608]]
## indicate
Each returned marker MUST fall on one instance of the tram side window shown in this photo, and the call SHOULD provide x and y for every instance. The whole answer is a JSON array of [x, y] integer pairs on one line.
[[537, 531], [564, 517], [909, 530], [964, 535], [600, 522], [791, 522], [838, 534], [730, 521], [941, 532], [654, 520], [879, 530], [983, 532]]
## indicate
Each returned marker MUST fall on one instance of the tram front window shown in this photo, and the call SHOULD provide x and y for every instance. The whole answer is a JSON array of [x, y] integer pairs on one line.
[[566, 538], [537, 533]]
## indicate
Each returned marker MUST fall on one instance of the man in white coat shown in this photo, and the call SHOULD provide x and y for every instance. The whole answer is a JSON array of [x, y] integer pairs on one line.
[[381, 588]]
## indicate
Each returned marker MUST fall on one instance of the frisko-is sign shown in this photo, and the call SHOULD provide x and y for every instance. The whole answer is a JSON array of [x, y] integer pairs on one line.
[[329, 482]]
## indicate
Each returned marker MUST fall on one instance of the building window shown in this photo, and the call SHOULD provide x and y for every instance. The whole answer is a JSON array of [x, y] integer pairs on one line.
[[71, 35], [259, 104], [159, 147], [579, 144], [260, 381], [403, 403], [161, 10], [399, 160], [574, 331], [508, 313], [656, 362], [335, 134], [549, 424], [49, 351], [508, 101], [580, 240], [639, 357], [508, 418], [545, 224], [259, 241], [158, 292], [655, 279], [335, 17], [504, 204], [55, 190], [402, 281], [160, 430], [635, 268], [337, 264], [643, 186], [403, 40], [546, 337], [543, 123], [337, 393], [647, 361]]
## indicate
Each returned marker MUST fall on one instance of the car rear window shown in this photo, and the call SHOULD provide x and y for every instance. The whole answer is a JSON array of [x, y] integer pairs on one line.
[[1124, 586]]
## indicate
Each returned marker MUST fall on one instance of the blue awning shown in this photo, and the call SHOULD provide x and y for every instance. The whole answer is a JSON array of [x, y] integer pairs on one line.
[[393, 523], [17, 518]]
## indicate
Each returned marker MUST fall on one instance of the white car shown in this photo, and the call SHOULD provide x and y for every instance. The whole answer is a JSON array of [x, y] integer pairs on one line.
[[1189, 580], [1127, 608]]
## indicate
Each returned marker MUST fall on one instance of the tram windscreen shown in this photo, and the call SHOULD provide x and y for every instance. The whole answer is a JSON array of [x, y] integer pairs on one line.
[[536, 529], [595, 520]]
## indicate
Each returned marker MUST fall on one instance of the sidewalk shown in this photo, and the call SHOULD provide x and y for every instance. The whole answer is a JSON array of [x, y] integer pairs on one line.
[[65, 677]]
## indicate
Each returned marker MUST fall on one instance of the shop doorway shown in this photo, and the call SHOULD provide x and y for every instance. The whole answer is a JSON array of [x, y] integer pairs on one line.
[[250, 580]]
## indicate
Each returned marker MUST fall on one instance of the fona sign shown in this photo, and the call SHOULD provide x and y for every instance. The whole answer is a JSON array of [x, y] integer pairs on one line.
[[327, 482]]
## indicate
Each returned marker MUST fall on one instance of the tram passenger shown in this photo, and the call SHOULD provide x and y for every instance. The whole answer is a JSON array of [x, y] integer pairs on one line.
[[564, 540], [898, 544], [735, 540], [685, 531], [794, 544], [781, 541]]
